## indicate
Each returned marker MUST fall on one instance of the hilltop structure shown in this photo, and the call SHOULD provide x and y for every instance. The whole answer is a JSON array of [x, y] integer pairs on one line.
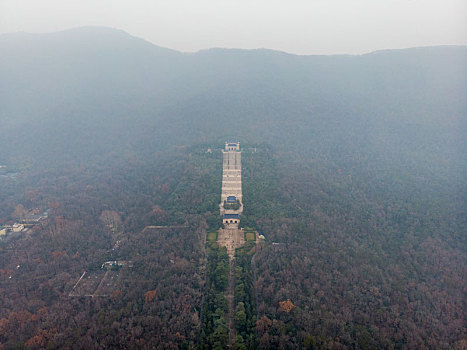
[[231, 199], [232, 172], [232, 145], [230, 219], [231, 206]]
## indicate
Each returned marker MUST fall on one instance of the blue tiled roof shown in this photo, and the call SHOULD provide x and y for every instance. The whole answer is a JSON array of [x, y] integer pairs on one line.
[[231, 216], [231, 199], [232, 140]]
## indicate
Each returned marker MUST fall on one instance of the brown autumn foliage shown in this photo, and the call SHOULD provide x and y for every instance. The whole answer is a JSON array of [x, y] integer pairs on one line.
[[32, 195], [116, 294], [263, 324], [286, 305], [165, 188], [19, 212], [38, 341], [54, 256], [360, 275], [111, 217], [57, 254], [149, 296]]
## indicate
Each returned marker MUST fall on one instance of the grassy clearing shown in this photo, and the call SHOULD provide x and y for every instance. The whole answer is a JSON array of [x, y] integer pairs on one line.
[[212, 237], [250, 234]]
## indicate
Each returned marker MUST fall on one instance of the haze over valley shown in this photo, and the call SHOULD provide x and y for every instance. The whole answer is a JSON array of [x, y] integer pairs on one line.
[[353, 171]]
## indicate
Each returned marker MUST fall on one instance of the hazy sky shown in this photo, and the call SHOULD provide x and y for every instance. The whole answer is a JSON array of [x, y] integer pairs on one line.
[[296, 26]]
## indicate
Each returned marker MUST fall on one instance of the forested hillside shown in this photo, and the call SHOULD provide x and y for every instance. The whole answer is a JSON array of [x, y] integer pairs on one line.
[[100, 91], [154, 300], [364, 266], [354, 169]]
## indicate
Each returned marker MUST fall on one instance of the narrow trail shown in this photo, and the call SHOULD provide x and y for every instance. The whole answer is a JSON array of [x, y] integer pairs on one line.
[[230, 299], [231, 238], [255, 278], [203, 270], [101, 283]]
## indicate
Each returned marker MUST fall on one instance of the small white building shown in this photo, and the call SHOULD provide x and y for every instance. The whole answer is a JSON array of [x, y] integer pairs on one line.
[[17, 227]]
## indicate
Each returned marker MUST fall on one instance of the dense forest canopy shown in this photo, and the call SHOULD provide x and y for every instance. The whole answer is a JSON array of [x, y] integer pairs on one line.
[[354, 169]]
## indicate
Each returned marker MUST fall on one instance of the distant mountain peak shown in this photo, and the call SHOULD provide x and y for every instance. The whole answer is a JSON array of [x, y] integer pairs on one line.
[[78, 36]]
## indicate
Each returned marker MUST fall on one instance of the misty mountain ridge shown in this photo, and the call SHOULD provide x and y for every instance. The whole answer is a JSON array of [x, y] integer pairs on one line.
[[102, 35], [98, 89]]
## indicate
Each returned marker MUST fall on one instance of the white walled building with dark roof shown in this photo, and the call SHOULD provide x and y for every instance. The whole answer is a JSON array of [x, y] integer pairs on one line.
[[231, 218]]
